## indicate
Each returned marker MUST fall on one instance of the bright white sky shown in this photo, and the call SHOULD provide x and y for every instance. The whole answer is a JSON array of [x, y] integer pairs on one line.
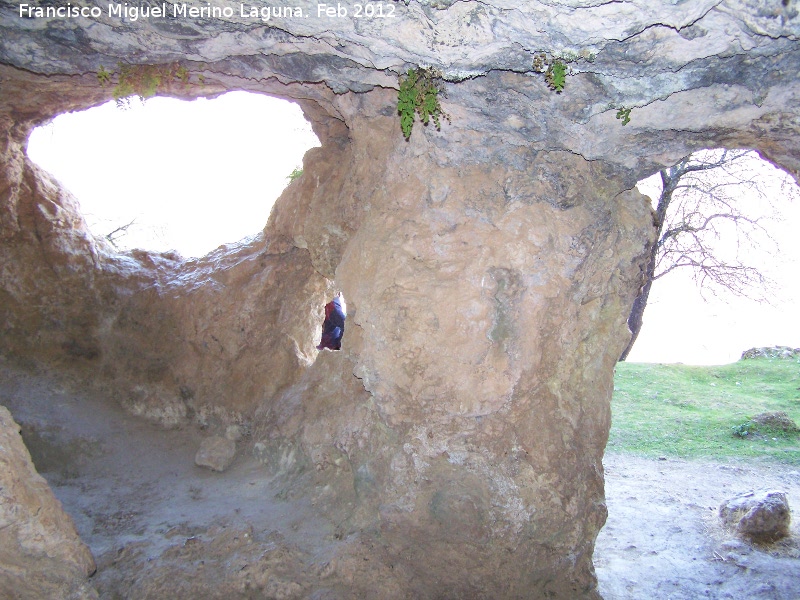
[[194, 175], [199, 174], [680, 326]]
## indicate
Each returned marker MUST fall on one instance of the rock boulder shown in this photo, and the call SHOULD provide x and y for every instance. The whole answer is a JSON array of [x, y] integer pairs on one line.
[[786, 352], [41, 555], [216, 453], [763, 516]]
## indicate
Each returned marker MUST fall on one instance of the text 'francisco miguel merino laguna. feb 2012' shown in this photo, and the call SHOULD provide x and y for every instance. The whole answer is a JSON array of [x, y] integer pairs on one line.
[[132, 12]]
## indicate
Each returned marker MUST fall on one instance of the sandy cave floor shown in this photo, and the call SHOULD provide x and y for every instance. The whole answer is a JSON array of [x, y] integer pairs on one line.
[[138, 499]]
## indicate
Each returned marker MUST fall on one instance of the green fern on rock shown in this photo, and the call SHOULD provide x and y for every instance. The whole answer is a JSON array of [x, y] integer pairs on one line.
[[418, 96], [144, 81], [556, 76]]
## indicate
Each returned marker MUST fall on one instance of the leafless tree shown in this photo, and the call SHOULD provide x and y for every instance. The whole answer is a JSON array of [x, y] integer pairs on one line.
[[713, 209], [119, 232]]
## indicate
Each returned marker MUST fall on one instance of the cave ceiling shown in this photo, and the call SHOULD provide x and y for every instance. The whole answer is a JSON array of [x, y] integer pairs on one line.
[[693, 74]]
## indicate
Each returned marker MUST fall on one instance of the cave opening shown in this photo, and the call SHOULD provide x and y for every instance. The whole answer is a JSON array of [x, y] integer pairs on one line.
[[176, 175]]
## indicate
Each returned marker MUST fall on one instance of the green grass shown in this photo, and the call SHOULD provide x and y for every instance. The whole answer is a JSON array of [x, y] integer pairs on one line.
[[690, 412]]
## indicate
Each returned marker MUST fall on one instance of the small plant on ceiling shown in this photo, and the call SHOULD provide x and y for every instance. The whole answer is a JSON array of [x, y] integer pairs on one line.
[[555, 68], [624, 114], [143, 81], [103, 76], [419, 96], [556, 76]]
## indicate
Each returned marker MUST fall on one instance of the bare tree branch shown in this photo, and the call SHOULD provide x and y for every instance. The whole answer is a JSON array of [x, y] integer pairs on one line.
[[118, 232], [713, 210]]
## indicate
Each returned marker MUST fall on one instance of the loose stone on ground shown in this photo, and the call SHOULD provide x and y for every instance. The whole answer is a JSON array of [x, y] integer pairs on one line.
[[216, 453], [762, 516]]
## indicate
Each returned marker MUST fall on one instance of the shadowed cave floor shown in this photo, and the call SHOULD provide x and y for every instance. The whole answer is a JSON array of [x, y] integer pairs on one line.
[[153, 519]]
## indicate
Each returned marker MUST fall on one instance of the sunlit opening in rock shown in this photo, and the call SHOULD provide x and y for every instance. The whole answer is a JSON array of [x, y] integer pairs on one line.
[[742, 217], [728, 200], [176, 175]]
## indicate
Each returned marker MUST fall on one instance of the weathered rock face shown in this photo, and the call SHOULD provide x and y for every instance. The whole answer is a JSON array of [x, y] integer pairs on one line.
[[762, 516], [41, 555], [151, 320], [471, 285], [771, 352], [488, 268], [216, 453]]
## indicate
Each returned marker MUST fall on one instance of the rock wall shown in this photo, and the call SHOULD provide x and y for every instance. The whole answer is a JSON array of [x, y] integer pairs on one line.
[[41, 555], [173, 339], [488, 268], [466, 416]]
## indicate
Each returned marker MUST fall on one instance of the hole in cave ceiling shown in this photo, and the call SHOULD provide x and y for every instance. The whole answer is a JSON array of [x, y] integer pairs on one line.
[[186, 176]]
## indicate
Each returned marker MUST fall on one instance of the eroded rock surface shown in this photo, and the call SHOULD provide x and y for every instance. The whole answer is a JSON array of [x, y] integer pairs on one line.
[[41, 555], [762, 516], [785, 352], [215, 453], [488, 268]]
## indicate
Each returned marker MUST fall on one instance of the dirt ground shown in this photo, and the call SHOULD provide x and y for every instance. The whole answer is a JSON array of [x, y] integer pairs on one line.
[[139, 501], [663, 539]]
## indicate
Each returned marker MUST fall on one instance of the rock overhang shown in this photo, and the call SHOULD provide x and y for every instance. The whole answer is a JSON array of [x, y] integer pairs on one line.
[[733, 64]]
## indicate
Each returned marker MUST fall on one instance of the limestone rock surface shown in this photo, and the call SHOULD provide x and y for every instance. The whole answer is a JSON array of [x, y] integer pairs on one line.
[[215, 453], [762, 516], [41, 555], [683, 68], [489, 267], [786, 352]]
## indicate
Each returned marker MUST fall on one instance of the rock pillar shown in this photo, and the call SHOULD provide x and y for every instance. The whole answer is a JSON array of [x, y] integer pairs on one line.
[[455, 442], [465, 419], [41, 555]]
